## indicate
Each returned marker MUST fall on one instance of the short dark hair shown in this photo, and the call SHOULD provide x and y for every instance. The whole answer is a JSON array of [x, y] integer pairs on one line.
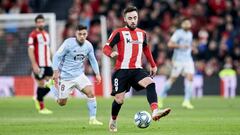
[[81, 27], [40, 16], [129, 9]]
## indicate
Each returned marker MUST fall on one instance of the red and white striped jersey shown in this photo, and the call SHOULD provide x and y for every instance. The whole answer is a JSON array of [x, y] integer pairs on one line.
[[130, 46], [40, 41]]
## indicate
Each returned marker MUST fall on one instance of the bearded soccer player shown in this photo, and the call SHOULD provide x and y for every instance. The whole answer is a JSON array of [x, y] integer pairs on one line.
[[181, 42], [39, 54], [131, 43]]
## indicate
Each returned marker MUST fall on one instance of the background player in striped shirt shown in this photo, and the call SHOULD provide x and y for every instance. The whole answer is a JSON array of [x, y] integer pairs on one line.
[[68, 66], [131, 42], [181, 42], [39, 54]]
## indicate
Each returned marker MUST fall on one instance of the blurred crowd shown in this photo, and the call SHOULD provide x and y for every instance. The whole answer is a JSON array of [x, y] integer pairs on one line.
[[215, 26], [14, 6]]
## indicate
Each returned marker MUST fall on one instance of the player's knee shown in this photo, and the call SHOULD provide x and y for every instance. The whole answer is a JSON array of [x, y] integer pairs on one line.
[[90, 95], [190, 77], [41, 84], [62, 102], [119, 100], [150, 83]]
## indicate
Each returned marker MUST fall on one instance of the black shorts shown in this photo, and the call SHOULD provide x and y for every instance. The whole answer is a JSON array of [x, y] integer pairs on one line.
[[124, 79], [44, 71]]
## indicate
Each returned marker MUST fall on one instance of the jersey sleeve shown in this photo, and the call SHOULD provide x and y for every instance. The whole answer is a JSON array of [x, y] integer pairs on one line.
[[145, 40], [93, 61], [58, 56], [175, 37], [112, 40], [147, 52], [31, 40]]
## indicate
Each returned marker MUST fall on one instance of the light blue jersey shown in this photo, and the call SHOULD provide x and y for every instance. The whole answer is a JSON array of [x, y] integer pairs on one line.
[[182, 38], [70, 57]]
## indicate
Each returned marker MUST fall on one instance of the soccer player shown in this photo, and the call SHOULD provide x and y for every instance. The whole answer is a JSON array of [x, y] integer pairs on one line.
[[131, 42], [181, 42], [39, 55], [68, 66]]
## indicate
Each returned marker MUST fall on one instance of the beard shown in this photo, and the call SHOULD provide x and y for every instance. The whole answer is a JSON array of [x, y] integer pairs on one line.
[[41, 28], [187, 28], [132, 27]]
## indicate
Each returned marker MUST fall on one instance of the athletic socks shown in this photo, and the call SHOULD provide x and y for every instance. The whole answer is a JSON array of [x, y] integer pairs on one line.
[[152, 96], [167, 86], [92, 107], [115, 109], [188, 90], [41, 92]]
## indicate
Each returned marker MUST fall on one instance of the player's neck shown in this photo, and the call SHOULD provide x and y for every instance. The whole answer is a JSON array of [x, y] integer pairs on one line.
[[130, 28], [79, 43], [40, 30]]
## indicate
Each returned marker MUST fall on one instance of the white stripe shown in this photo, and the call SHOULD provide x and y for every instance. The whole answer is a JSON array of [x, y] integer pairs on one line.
[[49, 63], [48, 49], [127, 50], [138, 63], [41, 56]]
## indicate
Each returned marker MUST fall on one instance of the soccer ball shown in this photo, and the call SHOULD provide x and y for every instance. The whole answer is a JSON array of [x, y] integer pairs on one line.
[[142, 119]]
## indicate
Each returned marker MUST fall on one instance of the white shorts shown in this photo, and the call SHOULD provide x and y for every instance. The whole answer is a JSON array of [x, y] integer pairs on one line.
[[182, 68], [67, 86]]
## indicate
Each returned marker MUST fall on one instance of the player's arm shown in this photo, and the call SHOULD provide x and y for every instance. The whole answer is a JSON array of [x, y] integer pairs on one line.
[[149, 57], [57, 58], [172, 43], [94, 64], [113, 40], [31, 55]]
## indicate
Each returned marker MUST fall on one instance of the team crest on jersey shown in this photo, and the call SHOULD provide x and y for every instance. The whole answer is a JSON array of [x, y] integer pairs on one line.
[[79, 57]]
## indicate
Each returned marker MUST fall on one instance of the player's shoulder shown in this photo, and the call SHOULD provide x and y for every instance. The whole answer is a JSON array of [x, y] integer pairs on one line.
[[141, 30], [88, 43], [33, 33], [69, 41], [179, 31]]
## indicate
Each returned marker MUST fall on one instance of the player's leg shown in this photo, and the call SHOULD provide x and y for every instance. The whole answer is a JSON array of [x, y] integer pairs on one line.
[[120, 85], [41, 92], [188, 88], [92, 105], [85, 86], [176, 70], [149, 84], [65, 88], [116, 106]]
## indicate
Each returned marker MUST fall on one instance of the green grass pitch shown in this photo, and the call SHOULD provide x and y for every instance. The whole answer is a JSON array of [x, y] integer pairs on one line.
[[211, 116]]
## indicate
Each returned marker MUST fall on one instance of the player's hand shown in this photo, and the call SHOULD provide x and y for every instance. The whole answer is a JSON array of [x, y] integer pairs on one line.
[[153, 71], [114, 54], [36, 68], [55, 78], [184, 46], [98, 79]]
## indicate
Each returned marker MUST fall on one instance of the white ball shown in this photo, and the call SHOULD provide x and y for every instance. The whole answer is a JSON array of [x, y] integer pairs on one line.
[[142, 119]]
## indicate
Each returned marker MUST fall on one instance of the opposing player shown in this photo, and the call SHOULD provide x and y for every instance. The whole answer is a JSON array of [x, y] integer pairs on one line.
[[131, 42], [181, 42], [68, 66], [39, 55]]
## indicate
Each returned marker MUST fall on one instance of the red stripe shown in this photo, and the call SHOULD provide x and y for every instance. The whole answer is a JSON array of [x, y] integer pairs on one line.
[[132, 63], [45, 49], [36, 49]]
